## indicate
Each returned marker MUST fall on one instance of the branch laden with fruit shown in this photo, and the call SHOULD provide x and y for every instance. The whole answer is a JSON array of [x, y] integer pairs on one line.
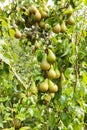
[[42, 65]]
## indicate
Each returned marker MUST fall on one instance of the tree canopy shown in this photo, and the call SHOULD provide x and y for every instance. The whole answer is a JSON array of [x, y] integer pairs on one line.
[[43, 65]]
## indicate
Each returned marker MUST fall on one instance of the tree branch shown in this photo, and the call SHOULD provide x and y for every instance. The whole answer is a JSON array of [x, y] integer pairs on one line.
[[18, 77], [76, 67]]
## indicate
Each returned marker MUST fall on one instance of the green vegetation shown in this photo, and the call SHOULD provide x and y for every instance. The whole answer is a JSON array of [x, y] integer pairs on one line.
[[43, 65]]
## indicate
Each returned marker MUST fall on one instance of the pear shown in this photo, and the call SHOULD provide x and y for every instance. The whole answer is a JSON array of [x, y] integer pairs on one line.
[[46, 97], [51, 73], [63, 27], [32, 9], [44, 63], [17, 34], [52, 95], [37, 16], [57, 73], [71, 20], [33, 88], [37, 45], [44, 14], [62, 80], [17, 123], [44, 86], [69, 10], [51, 56], [52, 87], [42, 24], [57, 28]]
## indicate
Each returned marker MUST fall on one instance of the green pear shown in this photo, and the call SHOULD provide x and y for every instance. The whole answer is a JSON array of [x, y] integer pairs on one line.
[[69, 10], [51, 73], [71, 20], [57, 73], [62, 80], [52, 95], [33, 88], [46, 97], [18, 34], [57, 28], [51, 56], [63, 27], [44, 63], [52, 87], [44, 86]]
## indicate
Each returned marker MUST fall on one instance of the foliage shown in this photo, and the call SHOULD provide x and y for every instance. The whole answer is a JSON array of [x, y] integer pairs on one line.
[[32, 32]]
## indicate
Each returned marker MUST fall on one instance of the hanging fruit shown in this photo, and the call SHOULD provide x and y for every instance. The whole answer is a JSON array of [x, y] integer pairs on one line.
[[42, 24], [44, 63], [52, 87], [33, 89], [18, 34], [52, 95], [32, 9], [71, 20], [62, 80], [16, 123], [44, 86], [69, 10], [44, 14], [63, 27], [57, 73], [37, 16], [51, 73], [57, 28], [51, 56]]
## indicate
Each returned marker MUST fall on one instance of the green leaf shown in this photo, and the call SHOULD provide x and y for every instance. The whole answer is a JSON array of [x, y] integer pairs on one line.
[[85, 2], [11, 32], [1, 122], [4, 99], [84, 78], [72, 59], [20, 116], [4, 23], [24, 128], [5, 59]]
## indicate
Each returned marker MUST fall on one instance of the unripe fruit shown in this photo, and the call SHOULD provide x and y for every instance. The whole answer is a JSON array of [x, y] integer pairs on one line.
[[71, 20], [32, 9], [51, 73], [52, 87], [62, 80], [42, 24], [44, 63], [37, 16], [57, 73], [52, 95], [51, 56], [44, 14], [46, 97], [63, 27], [17, 34], [69, 10], [57, 28], [44, 86], [16, 123], [33, 89]]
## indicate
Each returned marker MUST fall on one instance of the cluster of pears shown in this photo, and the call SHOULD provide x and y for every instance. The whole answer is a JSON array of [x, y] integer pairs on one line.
[[70, 21], [36, 15], [47, 65]]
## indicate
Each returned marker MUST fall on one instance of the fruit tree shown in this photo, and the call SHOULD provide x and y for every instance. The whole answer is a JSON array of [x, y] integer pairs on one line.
[[43, 65]]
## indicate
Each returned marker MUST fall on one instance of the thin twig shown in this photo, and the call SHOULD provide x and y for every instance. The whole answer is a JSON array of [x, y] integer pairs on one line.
[[76, 67], [18, 77]]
